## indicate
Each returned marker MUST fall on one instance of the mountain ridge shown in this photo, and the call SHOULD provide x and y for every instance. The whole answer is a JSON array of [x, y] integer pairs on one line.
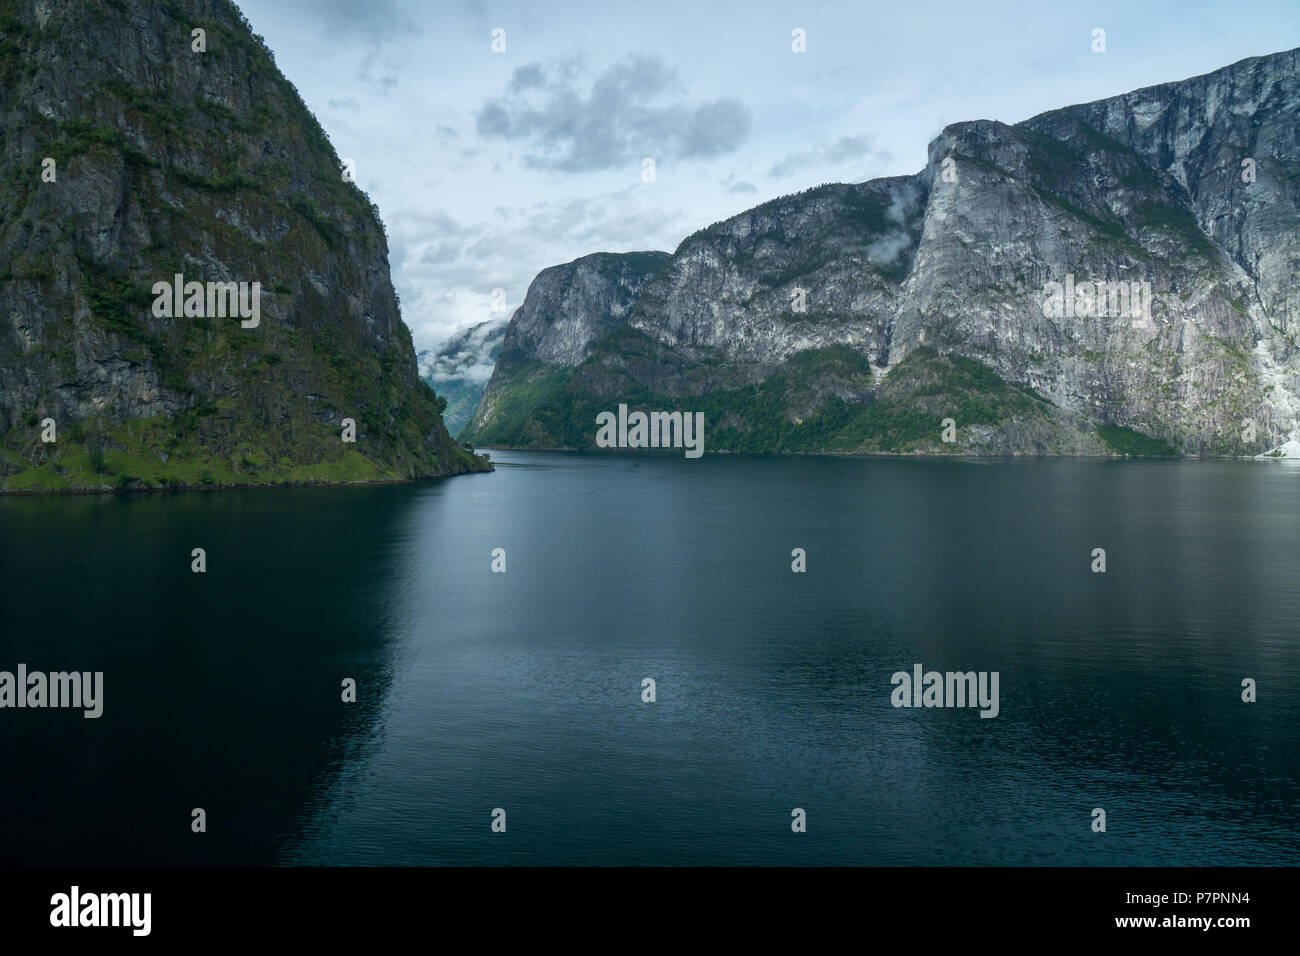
[[1142, 187]]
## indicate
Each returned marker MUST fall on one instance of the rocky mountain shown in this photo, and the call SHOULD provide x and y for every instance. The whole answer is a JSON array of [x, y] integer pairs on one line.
[[191, 292], [1114, 277], [566, 310], [459, 369]]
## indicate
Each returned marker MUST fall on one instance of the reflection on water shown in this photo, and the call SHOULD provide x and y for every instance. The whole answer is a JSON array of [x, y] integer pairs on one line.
[[523, 690], [222, 689]]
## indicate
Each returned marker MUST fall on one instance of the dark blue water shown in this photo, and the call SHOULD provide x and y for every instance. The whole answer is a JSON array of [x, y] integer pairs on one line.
[[522, 690]]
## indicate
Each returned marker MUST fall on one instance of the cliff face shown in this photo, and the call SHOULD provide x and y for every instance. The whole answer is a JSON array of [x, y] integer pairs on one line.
[[566, 309], [1200, 132], [131, 157], [856, 317]]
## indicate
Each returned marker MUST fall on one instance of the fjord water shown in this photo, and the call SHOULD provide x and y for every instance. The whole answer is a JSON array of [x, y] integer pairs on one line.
[[522, 690]]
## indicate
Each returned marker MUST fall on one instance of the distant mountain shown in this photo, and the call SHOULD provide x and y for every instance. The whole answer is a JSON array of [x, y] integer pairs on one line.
[[856, 318], [135, 152], [459, 369]]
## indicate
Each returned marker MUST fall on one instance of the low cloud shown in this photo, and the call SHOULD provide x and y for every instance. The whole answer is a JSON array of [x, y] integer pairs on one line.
[[903, 205], [887, 248], [451, 267], [467, 356]]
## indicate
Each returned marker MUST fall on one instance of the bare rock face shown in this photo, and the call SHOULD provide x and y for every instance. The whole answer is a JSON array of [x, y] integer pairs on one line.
[[135, 150], [1016, 249], [570, 306], [566, 309]]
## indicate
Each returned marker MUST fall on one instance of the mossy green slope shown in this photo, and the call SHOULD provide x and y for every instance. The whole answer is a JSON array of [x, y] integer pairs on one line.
[[821, 401], [168, 160]]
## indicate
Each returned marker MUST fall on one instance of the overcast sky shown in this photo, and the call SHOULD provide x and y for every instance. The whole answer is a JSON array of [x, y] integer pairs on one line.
[[488, 167]]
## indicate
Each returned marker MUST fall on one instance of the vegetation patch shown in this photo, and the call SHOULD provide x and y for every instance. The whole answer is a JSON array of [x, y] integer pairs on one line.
[[823, 400], [1123, 440]]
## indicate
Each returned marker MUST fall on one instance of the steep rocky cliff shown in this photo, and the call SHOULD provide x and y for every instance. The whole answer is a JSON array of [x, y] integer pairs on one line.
[[135, 150], [857, 317], [566, 309]]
